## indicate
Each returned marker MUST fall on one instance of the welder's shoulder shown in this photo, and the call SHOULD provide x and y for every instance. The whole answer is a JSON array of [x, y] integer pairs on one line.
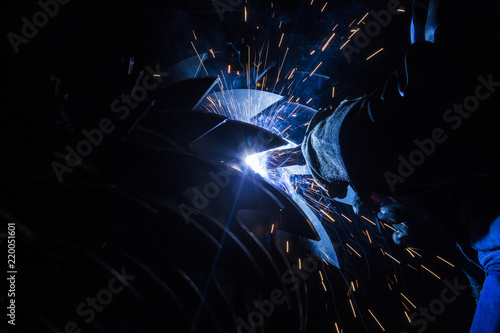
[[398, 140], [426, 125]]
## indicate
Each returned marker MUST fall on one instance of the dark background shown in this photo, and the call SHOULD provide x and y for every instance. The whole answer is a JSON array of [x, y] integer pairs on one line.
[[88, 44]]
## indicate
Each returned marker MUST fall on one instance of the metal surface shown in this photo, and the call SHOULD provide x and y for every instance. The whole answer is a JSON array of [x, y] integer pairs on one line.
[[234, 141], [186, 94], [240, 104], [186, 69]]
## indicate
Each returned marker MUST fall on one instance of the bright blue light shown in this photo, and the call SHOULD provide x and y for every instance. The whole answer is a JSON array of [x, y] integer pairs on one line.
[[257, 162]]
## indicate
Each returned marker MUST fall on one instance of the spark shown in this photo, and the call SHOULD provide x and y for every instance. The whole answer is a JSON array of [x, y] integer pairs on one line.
[[201, 62], [322, 9], [368, 235], [428, 270], [406, 298], [324, 287], [333, 92], [408, 250], [449, 263], [283, 131], [281, 39], [389, 226], [272, 228], [368, 220], [300, 264], [194, 35], [352, 22], [336, 327], [353, 249], [327, 42], [279, 71], [352, 307], [415, 252], [407, 317], [374, 54], [287, 246], [353, 33], [412, 267], [363, 18], [348, 219], [327, 216], [344, 44], [312, 73], [401, 10], [383, 329], [246, 14], [228, 69], [320, 275], [212, 52], [387, 254]]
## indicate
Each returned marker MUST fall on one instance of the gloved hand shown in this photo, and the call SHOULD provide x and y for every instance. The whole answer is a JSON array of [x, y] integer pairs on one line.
[[393, 213]]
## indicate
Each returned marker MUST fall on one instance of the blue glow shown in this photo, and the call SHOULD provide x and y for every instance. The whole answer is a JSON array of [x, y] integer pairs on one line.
[[257, 162]]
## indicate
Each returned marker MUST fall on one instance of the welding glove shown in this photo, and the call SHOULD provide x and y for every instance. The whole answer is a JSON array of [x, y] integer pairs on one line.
[[327, 165]]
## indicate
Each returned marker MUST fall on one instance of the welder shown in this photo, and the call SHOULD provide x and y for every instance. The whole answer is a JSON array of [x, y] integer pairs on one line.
[[424, 148]]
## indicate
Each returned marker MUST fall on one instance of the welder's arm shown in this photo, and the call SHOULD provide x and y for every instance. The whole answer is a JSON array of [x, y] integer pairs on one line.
[[362, 140]]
